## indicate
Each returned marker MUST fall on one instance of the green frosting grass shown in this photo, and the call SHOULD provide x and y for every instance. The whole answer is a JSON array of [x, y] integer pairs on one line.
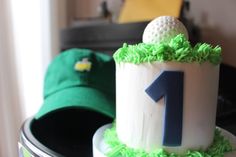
[[178, 49], [219, 147]]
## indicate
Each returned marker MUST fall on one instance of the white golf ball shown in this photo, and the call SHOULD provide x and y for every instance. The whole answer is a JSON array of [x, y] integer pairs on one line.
[[162, 29]]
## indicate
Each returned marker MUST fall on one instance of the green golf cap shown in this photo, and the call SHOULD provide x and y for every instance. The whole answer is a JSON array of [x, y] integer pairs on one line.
[[80, 78]]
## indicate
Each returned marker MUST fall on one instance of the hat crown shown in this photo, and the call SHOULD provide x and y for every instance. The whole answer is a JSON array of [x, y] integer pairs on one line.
[[80, 67]]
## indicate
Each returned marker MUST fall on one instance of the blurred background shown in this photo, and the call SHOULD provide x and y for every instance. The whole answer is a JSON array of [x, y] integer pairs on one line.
[[32, 33]]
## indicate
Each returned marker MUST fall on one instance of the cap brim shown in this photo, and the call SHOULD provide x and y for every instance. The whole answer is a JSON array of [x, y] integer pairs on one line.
[[81, 97]]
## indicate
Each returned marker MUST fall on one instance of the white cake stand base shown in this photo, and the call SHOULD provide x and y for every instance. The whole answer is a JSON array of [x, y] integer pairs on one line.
[[99, 147]]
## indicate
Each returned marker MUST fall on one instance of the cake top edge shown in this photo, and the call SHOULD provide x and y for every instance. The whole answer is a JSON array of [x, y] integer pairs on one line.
[[178, 49], [166, 39]]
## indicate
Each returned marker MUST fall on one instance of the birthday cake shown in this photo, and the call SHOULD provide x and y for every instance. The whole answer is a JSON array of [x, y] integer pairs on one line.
[[166, 98]]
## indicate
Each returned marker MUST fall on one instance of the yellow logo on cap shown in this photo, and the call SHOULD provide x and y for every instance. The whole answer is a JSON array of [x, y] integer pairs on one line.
[[84, 65]]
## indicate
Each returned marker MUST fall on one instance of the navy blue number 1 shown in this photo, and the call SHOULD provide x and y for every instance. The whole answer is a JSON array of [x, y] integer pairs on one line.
[[170, 85]]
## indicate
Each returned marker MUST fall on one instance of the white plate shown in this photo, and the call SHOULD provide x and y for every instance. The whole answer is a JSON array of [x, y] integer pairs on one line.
[[99, 147]]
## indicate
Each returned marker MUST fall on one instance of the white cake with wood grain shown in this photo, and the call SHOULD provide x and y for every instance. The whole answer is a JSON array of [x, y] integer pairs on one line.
[[166, 98]]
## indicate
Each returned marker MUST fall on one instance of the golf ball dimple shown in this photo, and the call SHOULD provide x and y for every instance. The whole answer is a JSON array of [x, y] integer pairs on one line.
[[162, 29]]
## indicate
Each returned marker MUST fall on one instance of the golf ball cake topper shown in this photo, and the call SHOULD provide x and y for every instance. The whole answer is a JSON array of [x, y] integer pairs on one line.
[[162, 29]]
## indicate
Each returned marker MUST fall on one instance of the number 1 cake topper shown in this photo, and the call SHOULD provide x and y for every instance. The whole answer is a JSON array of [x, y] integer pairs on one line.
[[170, 86]]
